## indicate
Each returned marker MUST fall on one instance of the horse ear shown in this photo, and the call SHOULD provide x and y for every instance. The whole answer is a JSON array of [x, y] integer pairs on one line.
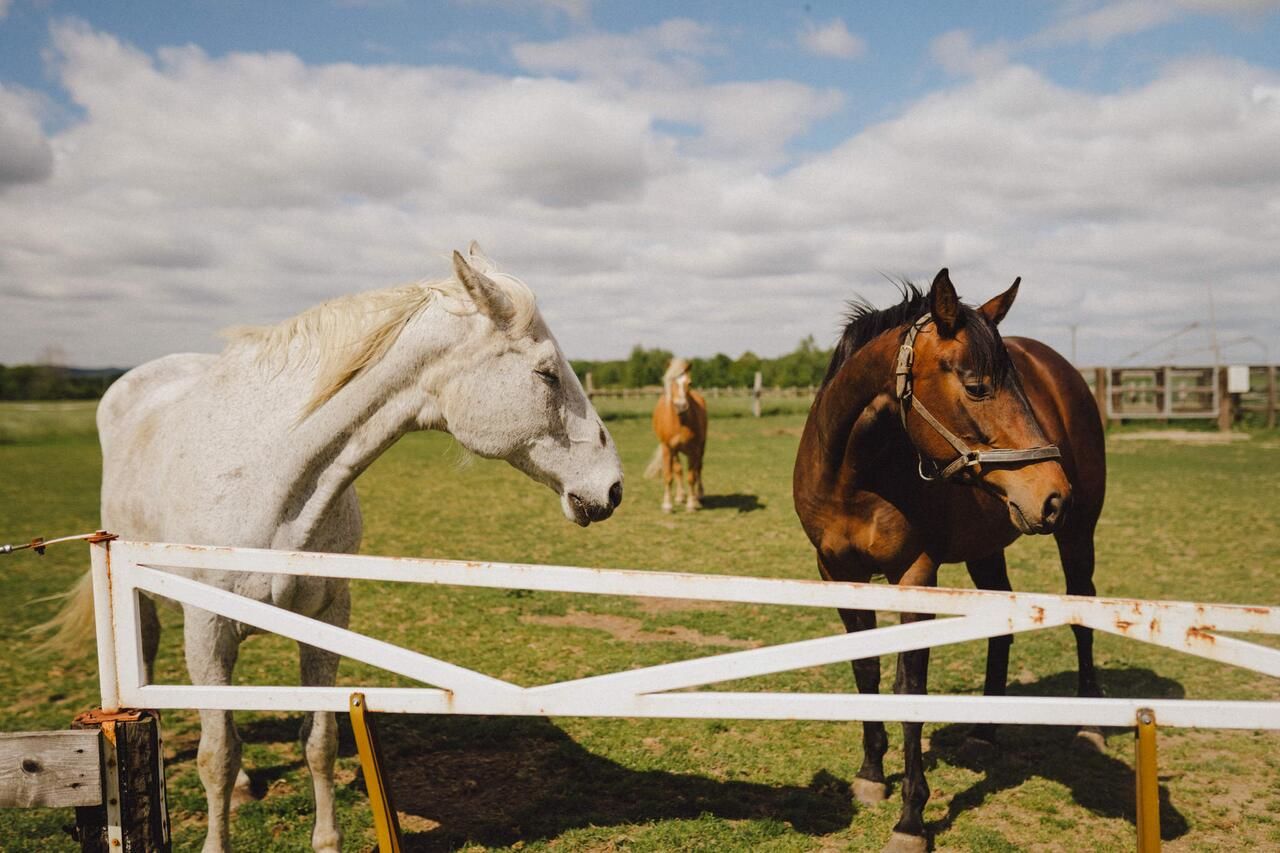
[[944, 304], [997, 306], [478, 258], [484, 292]]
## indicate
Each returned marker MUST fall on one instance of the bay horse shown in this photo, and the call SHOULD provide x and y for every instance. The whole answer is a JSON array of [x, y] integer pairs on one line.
[[259, 447], [933, 440], [680, 422]]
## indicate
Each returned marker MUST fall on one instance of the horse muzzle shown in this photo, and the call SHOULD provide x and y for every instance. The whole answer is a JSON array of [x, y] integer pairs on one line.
[[1049, 517], [582, 510]]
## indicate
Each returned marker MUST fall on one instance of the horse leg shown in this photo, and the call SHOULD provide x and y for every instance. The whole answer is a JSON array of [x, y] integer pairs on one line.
[[677, 475], [912, 677], [869, 786], [320, 730], [993, 573], [1075, 548], [211, 651], [667, 457], [150, 627], [695, 480]]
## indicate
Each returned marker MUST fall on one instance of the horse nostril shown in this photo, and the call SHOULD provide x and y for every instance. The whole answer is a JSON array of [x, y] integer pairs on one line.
[[1053, 506], [615, 494]]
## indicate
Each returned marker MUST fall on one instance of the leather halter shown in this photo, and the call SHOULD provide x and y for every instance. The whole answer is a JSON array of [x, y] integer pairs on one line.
[[968, 458]]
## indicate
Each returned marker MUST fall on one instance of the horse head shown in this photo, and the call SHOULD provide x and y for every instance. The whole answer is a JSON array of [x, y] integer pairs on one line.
[[676, 383], [512, 395], [964, 409]]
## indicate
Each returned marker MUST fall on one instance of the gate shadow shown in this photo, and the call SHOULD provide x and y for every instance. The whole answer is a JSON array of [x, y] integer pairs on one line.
[[1098, 782], [499, 780]]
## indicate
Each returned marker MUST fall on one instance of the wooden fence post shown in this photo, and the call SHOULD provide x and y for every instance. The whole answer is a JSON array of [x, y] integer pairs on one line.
[[591, 386], [133, 816], [1271, 396], [756, 390], [1225, 413], [1100, 392]]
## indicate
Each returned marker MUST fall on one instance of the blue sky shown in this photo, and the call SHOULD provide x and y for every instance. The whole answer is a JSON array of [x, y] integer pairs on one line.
[[699, 176]]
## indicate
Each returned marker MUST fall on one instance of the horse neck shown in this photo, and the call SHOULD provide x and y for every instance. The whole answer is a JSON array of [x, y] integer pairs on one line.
[[333, 445], [852, 404]]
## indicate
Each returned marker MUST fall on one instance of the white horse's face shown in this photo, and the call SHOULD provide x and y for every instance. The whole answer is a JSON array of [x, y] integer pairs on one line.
[[515, 397]]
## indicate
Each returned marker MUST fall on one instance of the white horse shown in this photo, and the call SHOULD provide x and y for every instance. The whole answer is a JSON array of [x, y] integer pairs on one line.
[[260, 447]]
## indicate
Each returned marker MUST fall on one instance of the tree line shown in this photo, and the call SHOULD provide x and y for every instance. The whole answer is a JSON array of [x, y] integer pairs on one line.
[[806, 365], [47, 382]]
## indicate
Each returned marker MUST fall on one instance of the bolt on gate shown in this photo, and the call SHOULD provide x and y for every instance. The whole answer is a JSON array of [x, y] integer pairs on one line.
[[122, 570]]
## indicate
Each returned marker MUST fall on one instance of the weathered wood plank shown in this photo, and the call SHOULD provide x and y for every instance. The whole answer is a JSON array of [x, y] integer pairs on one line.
[[61, 768]]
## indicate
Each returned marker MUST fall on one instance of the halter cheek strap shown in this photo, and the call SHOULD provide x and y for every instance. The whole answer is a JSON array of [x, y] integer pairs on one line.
[[967, 458]]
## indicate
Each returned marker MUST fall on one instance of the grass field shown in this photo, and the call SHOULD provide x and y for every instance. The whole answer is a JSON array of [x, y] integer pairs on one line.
[[1182, 522]]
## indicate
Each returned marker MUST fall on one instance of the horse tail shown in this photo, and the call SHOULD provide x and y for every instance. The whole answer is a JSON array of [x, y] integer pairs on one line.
[[70, 629], [655, 464]]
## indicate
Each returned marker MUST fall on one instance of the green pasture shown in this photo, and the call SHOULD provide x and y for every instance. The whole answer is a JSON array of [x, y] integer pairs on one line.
[[1183, 521]]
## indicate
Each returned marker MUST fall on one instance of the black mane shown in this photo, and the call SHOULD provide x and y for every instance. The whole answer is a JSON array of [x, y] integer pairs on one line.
[[865, 322]]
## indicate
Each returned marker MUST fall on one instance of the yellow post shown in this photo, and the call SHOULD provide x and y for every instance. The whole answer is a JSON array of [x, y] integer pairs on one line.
[[1148, 791], [385, 822]]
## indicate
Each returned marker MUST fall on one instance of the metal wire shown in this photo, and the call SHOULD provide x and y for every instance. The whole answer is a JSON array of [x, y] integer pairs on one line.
[[40, 543]]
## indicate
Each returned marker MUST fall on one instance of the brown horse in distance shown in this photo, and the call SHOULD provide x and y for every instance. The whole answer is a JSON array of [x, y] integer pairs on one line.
[[680, 421], [933, 440]]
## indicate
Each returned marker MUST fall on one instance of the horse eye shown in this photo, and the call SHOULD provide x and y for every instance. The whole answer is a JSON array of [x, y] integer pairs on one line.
[[548, 376], [978, 389]]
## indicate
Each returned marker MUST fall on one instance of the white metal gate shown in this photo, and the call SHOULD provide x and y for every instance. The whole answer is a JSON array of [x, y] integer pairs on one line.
[[122, 570]]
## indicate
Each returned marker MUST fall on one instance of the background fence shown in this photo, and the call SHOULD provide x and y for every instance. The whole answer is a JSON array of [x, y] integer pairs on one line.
[[1225, 394]]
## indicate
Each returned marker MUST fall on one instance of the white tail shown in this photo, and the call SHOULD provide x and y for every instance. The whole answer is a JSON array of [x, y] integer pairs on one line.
[[71, 629], [655, 464]]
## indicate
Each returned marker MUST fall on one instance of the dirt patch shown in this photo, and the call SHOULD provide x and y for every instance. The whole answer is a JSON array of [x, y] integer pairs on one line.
[[1183, 436], [675, 605], [631, 630]]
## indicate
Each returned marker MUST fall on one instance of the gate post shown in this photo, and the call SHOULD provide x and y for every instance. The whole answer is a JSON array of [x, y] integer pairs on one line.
[[133, 816], [1147, 804], [385, 822]]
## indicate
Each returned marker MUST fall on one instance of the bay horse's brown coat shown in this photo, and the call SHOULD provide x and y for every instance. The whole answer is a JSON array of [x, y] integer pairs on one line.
[[868, 512]]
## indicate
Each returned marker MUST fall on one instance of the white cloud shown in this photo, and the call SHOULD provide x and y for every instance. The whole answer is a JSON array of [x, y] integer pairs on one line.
[[832, 39], [197, 192], [1119, 18], [956, 53], [661, 56], [25, 155]]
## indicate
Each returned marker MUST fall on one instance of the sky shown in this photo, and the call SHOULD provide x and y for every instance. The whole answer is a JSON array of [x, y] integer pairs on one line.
[[699, 176]]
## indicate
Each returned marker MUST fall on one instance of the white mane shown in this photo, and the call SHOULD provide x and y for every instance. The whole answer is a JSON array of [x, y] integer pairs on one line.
[[343, 336]]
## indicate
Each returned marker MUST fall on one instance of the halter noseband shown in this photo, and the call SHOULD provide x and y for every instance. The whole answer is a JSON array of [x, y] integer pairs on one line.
[[968, 458]]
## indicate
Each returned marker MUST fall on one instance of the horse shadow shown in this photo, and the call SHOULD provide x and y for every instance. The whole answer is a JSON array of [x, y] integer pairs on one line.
[[739, 501], [500, 780], [1098, 782]]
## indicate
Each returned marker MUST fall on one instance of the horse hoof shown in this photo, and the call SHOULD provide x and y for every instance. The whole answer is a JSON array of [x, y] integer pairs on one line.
[[870, 793], [241, 791], [1090, 739], [666, 507], [900, 842]]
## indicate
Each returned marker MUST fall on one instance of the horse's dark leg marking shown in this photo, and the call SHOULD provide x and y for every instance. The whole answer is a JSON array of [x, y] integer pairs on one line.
[[1075, 547], [912, 677], [869, 785], [993, 573]]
